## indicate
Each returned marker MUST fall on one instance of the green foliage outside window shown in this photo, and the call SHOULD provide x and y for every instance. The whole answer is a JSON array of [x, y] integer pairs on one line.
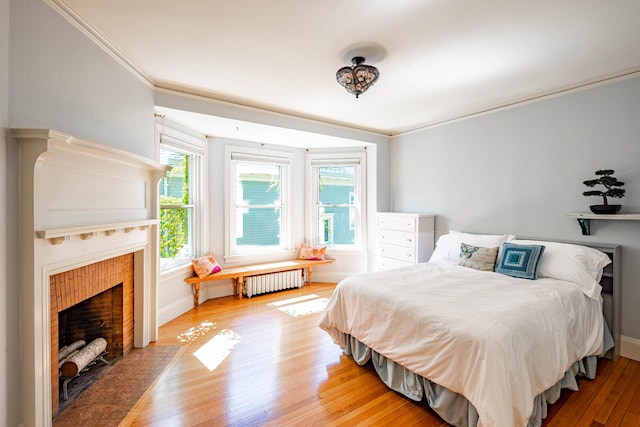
[[174, 222], [173, 228]]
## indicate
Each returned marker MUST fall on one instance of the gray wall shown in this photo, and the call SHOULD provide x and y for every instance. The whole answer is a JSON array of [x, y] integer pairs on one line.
[[520, 171], [62, 80]]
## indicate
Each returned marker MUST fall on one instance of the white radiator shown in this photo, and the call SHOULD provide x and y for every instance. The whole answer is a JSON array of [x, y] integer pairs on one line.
[[255, 285]]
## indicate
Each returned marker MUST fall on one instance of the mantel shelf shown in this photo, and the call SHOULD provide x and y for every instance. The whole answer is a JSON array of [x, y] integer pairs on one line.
[[59, 235], [584, 219]]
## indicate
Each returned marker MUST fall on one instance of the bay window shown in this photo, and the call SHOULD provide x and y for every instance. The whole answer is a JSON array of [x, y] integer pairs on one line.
[[258, 206]]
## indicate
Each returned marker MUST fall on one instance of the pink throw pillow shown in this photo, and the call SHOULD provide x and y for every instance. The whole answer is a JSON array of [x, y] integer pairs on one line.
[[314, 253], [205, 266]]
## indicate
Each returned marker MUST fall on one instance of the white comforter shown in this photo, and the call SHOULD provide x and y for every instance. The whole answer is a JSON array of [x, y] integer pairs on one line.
[[497, 340]]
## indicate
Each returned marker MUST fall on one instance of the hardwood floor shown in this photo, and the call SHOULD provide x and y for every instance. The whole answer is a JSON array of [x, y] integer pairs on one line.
[[264, 361]]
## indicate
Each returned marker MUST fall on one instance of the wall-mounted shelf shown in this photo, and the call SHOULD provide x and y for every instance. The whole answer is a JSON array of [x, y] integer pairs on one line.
[[584, 219], [59, 235]]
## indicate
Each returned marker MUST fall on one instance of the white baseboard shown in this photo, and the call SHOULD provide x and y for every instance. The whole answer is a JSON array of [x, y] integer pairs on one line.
[[630, 348], [182, 305], [178, 307]]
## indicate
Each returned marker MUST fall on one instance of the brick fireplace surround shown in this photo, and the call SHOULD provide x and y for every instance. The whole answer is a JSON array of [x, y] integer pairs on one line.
[[82, 206], [72, 287]]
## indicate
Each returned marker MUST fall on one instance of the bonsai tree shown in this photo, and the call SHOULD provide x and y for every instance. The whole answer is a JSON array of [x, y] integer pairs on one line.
[[609, 182]]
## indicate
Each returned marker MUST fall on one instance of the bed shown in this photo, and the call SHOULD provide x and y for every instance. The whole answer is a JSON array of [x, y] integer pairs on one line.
[[484, 345]]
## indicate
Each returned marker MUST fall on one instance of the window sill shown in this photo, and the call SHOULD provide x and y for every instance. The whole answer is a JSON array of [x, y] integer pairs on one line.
[[176, 271]]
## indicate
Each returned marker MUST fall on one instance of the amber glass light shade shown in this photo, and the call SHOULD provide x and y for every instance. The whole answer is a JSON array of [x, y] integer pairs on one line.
[[357, 78]]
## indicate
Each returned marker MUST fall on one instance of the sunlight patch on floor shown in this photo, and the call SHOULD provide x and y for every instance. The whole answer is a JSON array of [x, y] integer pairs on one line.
[[217, 348], [191, 334], [301, 306], [292, 300]]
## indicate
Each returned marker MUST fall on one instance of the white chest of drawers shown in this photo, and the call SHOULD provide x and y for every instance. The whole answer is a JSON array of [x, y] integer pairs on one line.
[[404, 239]]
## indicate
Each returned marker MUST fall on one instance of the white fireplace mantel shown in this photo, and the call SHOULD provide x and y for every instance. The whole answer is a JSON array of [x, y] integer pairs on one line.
[[58, 236], [80, 203]]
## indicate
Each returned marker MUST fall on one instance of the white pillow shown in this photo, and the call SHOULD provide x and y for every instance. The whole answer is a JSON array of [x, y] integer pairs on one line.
[[572, 263], [448, 245]]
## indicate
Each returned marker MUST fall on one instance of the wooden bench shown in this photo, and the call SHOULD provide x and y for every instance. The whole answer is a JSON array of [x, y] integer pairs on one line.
[[239, 273]]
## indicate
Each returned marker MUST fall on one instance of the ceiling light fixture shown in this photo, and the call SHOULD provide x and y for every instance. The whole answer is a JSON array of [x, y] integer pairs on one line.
[[357, 78]]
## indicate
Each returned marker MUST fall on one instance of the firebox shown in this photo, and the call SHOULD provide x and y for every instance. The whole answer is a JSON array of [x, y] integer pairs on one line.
[[97, 317]]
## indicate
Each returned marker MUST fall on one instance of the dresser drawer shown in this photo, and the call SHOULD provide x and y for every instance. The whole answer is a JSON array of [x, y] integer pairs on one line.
[[385, 263], [398, 252], [400, 238], [395, 222]]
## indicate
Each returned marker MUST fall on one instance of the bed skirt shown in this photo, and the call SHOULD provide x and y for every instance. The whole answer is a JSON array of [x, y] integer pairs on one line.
[[452, 407]]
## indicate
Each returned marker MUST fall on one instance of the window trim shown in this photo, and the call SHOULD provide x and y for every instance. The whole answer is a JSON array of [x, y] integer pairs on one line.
[[283, 158], [180, 141], [348, 158]]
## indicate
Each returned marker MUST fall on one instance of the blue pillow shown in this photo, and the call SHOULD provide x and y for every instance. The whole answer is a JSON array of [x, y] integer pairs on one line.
[[520, 260]]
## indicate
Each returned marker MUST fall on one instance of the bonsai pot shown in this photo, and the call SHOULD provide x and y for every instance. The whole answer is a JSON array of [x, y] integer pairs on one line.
[[605, 209]]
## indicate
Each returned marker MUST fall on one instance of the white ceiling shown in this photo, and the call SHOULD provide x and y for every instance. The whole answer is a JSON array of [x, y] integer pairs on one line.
[[438, 59]]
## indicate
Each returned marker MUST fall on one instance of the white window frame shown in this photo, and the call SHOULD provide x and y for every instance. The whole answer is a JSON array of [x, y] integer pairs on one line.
[[357, 159], [233, 154], [180, 141]]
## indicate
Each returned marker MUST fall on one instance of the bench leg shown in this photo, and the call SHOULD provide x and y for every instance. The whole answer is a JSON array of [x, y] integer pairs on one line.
[[236, 284], [196, 294], [240, 285], [309, 275]]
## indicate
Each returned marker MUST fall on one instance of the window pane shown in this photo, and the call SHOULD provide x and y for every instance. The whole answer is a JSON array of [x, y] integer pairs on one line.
[[174, 187], [257, 184], [337, 184], [176, 233], [336, 205], [257, 229], [335, 226]]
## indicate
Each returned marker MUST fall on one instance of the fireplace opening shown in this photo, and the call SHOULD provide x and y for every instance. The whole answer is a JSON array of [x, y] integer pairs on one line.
[[97, 317], [100, 316]]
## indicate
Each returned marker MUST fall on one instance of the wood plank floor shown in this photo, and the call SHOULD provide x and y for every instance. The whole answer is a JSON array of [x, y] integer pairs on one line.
[[264, 361]]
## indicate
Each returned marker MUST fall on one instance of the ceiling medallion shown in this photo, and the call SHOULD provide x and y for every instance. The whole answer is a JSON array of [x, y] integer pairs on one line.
[[357, 78]]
